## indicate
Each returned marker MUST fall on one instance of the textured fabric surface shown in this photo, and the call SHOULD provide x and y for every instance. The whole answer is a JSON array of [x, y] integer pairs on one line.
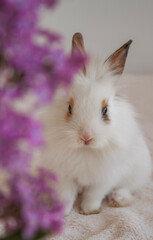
[[134, 222]]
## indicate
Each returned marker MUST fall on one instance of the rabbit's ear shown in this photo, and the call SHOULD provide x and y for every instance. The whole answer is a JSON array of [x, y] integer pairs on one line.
[[116, 61], [78, 44]]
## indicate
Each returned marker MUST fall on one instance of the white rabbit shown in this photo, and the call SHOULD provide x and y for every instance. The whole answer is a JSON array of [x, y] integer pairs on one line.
[[93, 141]]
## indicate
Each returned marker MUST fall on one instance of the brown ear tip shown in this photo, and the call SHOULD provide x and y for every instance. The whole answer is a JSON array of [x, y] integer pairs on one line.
[[130, 41], [127, 45], [78, 35]]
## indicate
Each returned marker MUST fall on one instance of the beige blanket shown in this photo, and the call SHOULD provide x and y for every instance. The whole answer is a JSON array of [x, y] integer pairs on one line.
[[128, 223]]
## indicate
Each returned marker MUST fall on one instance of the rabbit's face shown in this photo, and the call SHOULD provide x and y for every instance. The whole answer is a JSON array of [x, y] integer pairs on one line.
[[89, 113], [86, 118]]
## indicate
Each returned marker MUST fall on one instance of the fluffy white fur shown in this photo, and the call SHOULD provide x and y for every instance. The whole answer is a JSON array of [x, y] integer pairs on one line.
[[116, 163]]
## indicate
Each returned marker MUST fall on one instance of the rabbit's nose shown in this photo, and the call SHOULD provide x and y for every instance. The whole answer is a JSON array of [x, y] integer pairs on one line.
[[86, 139]]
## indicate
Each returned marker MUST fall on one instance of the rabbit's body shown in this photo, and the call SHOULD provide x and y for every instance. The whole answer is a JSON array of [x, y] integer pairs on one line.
[[94, 142]]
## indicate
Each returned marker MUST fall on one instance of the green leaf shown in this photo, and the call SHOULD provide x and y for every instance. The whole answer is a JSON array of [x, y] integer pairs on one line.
[[18, 236]]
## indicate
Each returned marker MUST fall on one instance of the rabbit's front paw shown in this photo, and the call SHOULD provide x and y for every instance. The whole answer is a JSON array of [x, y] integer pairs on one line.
[[120, 198], [67, 210], [88, 207]]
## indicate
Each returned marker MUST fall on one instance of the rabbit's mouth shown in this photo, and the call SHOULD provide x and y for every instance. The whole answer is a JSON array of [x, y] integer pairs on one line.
[[86, 140], [87, 143]]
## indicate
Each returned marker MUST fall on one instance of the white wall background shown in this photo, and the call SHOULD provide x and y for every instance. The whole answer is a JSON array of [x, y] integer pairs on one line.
[[106, 25]]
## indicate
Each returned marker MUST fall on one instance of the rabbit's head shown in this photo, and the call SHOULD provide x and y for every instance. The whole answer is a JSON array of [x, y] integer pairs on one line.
[[88, 114]]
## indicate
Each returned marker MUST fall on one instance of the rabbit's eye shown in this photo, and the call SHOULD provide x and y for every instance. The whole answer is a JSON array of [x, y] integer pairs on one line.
[[70, 109], [104, 111], [70, 106]]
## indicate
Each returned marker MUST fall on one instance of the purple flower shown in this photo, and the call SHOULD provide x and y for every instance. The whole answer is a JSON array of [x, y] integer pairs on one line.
[[14, 128], [12, 157], [32, 206], [19, 126], [32, 67]]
